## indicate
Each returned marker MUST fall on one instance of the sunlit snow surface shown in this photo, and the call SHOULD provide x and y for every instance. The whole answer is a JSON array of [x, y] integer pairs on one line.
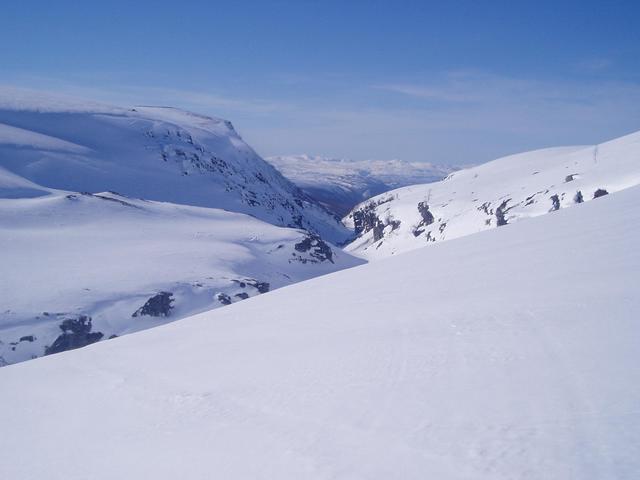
[[155, 153], [502, 191], [66, 254], [511, 354]]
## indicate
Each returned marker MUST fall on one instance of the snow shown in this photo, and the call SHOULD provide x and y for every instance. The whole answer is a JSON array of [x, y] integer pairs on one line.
[[156, 153], [468, 201], [340, 184], [65, 254], [508, 354]]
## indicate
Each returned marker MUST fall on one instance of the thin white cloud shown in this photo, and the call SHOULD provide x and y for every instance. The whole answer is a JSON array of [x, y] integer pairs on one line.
[[456, 117]]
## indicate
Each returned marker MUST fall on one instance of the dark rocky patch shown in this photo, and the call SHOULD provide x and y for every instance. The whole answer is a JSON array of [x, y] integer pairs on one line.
[[121, 202], [601, 192], [76, 333], [578, 198], [224, 299], [501, 213], [427, 219], [570, 178], [427, 216], [242, 295], [555, 203], [378, 231], [27, 338], [486, 208], [317, 248], [159, 305], [365, 218], [262, 287]]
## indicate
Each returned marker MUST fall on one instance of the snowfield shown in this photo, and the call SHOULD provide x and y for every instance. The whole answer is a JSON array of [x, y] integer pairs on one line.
[[341, 184], [66, 256], [155, 153], [491, 195], [511, 354]]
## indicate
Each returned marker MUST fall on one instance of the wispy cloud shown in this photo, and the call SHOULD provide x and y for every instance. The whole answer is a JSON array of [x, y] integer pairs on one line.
[[594, 65], [453, 117]]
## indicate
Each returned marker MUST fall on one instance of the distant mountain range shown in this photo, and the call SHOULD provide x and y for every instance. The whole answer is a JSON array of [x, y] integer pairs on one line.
[[341, 184]]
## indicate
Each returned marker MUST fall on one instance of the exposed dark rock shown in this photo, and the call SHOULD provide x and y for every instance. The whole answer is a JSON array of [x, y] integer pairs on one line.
[[601, 192], [578, 197], [159, 305], [570, 178], [365, 218], [442, 227], [427, 216], [242, 295], [262, 287], [486, 208], [76, 333], [395, 224], [316, 247], [224, 299], [501, 213], [555, 203], [27, 338], [113, 336], [378, 232]]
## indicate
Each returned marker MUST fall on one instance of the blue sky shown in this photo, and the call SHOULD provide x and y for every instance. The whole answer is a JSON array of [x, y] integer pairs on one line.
[[446, 82]]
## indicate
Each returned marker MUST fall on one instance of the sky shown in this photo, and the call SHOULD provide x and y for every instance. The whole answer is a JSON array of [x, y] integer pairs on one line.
[[455, 82]]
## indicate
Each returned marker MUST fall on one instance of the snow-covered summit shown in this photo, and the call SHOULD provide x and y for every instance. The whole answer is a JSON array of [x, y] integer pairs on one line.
[[156, 153], [340, 184], [492, 195]]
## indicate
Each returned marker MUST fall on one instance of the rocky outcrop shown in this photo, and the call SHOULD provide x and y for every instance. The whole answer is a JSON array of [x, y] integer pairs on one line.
[[223, 298], [501, 211], [159, 305], [261, 287], [427, 216], [316, 250], [578, 198], [601, 192], [76, 333]]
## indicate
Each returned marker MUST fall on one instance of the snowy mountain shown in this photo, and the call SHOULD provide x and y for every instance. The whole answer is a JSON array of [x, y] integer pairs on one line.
[[341, 184], [491, 195], [509, 354], [155, 153], [77, 268]]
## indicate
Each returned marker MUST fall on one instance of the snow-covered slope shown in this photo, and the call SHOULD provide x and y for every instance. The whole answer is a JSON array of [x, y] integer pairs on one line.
[[493, 194], [510, 354], [341, 184], [154, 153], [77, 268]]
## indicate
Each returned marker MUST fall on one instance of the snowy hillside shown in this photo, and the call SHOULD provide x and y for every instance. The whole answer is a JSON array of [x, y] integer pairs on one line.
[[493, 194], [341, 184], [509, 354], [77, 268], [155, 153]]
